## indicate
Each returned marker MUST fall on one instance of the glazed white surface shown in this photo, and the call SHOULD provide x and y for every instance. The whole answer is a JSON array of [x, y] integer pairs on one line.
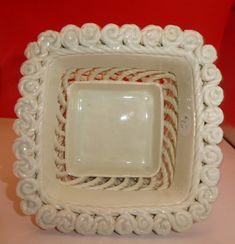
[[152, 40], [219, 226], [114, 129], [164, 177]]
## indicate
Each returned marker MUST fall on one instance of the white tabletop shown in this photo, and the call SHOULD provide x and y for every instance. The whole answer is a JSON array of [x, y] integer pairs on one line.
[[17, 228]]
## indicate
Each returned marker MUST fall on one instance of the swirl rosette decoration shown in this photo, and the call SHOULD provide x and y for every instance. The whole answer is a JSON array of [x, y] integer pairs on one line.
[[206, 54], [151, 36], [89, 35], [32, 50], [143, 224], [124, 224], [181, 221], [172, 36], [105, 224], [211, 74], [191, 40], [70, 36], [30, 204], [25, 168], [210, 175], [111, 35], [213, 134], [162, 225], [65, 221], [23, 147], [29, 87], [199, 211], [26, 187], [25, 110], [131, 34], [213, 95], [46, 217], [85, 224], [49, 41], [212, 155], [213, 115], [30, 67]]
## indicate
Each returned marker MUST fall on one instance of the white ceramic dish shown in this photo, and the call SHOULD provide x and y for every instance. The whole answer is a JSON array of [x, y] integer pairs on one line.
[[164, 189]]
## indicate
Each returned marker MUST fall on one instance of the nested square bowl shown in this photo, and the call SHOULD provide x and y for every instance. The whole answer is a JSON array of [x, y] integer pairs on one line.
[[118, 129]]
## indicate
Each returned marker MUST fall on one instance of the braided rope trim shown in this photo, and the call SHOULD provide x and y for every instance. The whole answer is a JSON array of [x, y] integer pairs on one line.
[[160, 181], [127, 39]]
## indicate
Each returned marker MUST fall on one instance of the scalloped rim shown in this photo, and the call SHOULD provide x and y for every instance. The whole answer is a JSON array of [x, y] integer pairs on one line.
[[127, 38]]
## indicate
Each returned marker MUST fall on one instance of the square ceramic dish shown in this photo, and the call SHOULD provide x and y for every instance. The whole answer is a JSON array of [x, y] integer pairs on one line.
[[118, 129]]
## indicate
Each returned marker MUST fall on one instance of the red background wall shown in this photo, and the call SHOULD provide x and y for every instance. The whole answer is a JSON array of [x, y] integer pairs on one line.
[[21, 22], [227, 65]]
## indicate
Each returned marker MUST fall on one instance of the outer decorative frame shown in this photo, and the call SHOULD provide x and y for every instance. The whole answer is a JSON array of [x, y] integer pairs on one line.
[[127, 39]]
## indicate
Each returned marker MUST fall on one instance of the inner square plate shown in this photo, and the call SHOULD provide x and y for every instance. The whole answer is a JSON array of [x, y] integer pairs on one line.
[[114, 129]]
